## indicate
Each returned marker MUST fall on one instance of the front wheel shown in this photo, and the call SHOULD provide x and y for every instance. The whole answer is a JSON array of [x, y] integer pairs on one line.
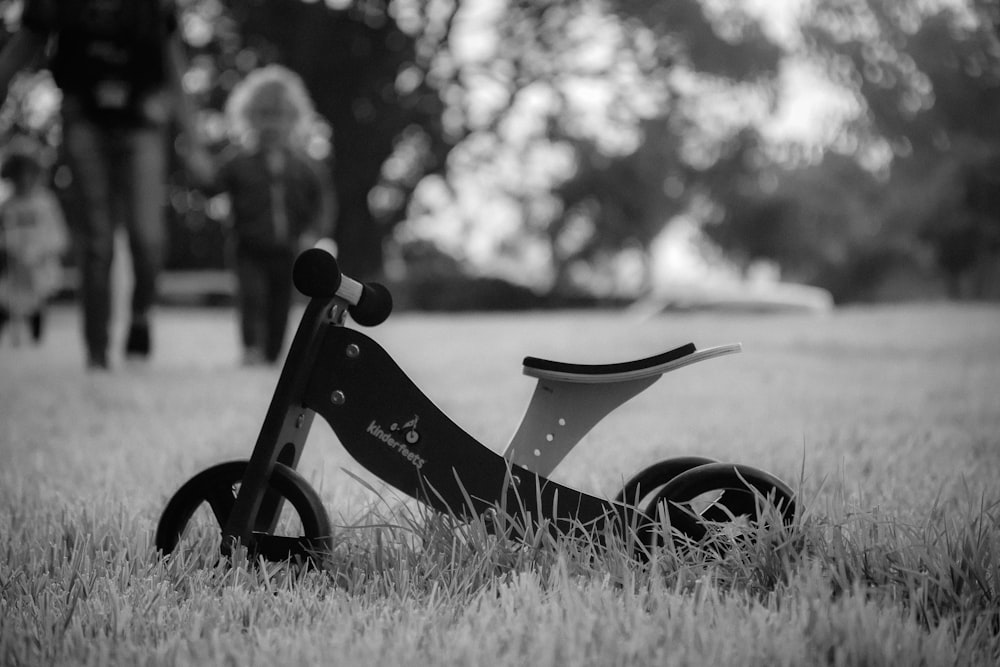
[[216, 488]]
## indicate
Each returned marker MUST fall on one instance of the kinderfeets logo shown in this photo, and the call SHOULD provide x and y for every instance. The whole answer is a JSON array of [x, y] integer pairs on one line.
[[400, 439]]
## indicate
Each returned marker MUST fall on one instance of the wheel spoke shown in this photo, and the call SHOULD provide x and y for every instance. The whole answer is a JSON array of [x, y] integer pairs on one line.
[[221, 500]]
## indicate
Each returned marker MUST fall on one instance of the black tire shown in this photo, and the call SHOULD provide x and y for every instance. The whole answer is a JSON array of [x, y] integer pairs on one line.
[[741, 487], [215, 487], [647, 481], [644, 485]]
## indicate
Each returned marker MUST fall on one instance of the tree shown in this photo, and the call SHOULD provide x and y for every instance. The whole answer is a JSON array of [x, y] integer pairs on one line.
[[810, 220], [595, 121], [928, 85], [366, 71], [570, 130]]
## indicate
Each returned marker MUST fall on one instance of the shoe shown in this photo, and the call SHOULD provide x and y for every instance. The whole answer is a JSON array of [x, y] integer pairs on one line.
[[37, 324], [137, 344], [98, 361], [252, 356]]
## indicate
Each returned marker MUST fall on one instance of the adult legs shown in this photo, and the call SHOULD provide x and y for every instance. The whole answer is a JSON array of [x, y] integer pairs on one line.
[[88, 151], [144, 175]]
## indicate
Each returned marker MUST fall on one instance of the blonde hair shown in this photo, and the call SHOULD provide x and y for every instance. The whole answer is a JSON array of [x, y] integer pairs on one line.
[[255, 89]]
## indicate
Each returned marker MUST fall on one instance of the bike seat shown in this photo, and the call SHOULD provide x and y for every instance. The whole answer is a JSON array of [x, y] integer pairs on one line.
[[594, 373], [570, 399]]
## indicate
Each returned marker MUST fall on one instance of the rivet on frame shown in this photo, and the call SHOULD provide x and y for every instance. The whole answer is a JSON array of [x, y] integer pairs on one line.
[[353, 351], [337, 397]]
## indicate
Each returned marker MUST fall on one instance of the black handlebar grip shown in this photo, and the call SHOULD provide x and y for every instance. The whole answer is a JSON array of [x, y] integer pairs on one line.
[[374, 306], [316, 273]]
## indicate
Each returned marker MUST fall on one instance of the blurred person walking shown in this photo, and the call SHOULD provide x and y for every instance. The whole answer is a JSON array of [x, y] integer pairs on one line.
[[33, 239], [118, 64], [281, 200]]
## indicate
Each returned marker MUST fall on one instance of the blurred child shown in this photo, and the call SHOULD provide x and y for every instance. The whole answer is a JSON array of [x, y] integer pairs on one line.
[[33, 239], [280, 200]]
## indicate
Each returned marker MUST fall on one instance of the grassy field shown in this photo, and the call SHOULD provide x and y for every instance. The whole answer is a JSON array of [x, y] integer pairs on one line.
[[886, 421]]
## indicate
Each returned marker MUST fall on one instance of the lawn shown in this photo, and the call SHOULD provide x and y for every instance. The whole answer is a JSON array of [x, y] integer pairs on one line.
[[885, 420]]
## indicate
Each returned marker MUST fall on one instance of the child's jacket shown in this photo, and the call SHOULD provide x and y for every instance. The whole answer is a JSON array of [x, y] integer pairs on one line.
[[33, 239], [271, 210]]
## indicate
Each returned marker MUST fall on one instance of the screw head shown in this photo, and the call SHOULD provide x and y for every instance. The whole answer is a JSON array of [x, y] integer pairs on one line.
[[337, 397]]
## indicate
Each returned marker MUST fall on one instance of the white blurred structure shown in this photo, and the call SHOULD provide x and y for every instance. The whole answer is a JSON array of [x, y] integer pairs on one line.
[[689, 274]]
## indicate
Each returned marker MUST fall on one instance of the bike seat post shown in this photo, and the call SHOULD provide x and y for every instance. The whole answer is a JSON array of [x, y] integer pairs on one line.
[[560, 414], [284, 430]]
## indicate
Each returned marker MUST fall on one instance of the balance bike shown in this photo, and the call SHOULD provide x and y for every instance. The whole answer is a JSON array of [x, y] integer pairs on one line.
[[392, 429]]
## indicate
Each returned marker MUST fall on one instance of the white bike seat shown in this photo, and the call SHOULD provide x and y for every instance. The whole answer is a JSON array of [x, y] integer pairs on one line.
[[570, 399]]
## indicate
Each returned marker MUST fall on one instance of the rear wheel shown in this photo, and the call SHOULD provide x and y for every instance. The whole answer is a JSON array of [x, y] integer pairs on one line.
[[201, 507], [720, 492], [647, 481]]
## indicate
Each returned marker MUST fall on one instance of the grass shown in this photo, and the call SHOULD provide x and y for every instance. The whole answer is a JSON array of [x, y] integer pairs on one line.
[[885, 420]]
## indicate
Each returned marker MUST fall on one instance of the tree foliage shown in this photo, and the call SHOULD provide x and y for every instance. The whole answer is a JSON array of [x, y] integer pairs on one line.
[[636, 100], [928, 83], [565, 134], [582, 119], [365, 64]]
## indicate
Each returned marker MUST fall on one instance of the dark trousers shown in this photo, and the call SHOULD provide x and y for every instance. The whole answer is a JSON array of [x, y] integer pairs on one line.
[[265, 300], [120, 174]]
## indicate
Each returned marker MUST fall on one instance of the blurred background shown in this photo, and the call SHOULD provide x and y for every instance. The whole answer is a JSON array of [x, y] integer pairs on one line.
[[540, 153]]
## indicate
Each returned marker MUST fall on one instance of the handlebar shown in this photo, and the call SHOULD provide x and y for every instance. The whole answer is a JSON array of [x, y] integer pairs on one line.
[[316, 274]]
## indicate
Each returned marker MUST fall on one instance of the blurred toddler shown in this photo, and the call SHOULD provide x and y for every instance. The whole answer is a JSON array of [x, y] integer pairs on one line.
[[280, 200], [33, 239]]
